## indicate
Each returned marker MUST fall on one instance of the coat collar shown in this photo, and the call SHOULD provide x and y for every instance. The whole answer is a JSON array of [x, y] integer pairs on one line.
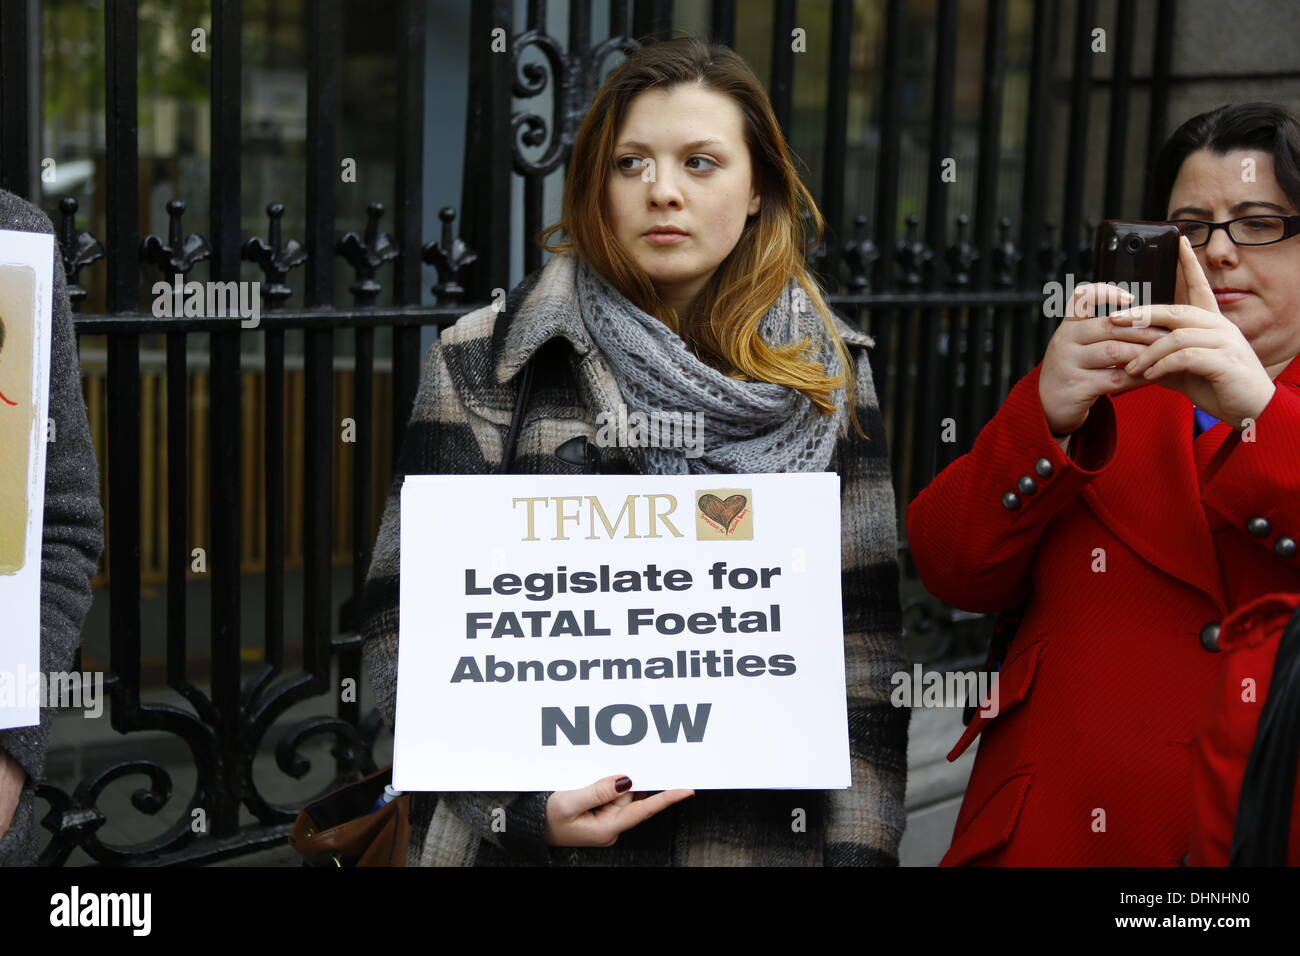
[[544, 306], [1161, 514]]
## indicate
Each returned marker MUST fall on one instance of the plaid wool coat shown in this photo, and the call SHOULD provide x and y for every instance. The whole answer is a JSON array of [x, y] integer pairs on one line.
[[462, 413]]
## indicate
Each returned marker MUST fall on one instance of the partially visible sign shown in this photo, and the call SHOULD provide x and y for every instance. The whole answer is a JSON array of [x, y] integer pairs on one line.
[[26, 298], [685, 631]]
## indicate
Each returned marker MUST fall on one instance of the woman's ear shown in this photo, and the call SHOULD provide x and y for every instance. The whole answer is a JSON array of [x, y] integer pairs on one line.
[[755, 203]]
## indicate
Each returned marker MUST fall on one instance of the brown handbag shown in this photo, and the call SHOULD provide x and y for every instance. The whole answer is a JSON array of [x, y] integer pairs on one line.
[[339, 829]]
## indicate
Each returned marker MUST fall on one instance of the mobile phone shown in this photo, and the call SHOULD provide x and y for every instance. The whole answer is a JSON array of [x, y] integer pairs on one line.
[[1141, 257]]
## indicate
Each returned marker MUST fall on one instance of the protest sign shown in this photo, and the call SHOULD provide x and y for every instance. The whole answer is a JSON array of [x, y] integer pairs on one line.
[[26, 296], [685, 631]]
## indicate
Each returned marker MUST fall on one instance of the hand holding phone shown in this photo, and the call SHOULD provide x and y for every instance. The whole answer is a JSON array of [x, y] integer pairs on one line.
[[1086, 357], [1141, 258], [1206, 356]]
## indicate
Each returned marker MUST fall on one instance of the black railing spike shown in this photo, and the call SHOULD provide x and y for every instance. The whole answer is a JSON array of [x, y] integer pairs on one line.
[[961, 256], [77, 249], [274, 258], [913, 255], [449, 255], [177, 255], [366, 253], [1005, 256], [860, 253]]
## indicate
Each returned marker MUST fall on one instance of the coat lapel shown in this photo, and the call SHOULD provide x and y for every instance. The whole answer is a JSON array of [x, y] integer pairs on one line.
[[1205, 447], [545, 308], [485, 349], [1150, 494]]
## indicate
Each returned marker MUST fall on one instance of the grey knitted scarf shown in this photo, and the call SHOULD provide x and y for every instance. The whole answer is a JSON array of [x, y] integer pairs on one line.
[[748, 427]]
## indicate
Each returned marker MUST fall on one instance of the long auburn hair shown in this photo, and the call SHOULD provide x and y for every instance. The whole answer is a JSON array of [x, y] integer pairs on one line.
[[771, 245]]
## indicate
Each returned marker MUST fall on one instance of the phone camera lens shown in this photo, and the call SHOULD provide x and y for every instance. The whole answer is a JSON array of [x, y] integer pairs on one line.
[[1133, 243]]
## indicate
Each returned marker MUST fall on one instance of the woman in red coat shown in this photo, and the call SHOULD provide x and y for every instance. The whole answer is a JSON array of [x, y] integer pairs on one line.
[[1132, 524]]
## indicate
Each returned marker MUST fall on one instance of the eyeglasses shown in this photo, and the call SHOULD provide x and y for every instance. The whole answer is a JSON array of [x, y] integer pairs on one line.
[[1246, 231]]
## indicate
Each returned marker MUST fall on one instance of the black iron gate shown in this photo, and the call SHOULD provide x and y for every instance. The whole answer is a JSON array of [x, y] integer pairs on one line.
[[954, 303]]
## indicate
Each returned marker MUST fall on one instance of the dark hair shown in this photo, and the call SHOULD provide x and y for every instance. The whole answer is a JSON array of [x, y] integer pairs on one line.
[[1269, 127]]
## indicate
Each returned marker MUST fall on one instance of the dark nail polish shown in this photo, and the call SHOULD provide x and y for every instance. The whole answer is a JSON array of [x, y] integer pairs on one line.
[[622, 784]]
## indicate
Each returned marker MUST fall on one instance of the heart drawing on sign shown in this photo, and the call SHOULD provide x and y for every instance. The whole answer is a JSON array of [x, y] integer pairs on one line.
[[724, 513]]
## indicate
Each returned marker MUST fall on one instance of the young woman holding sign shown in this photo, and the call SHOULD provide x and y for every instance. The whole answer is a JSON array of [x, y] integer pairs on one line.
[[681, 286]]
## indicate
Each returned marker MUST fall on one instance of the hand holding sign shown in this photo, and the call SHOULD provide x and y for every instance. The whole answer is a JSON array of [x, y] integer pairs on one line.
[[596, 815]]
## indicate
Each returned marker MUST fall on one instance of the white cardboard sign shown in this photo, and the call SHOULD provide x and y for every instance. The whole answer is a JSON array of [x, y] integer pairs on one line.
[[26, 299], [684, 631]]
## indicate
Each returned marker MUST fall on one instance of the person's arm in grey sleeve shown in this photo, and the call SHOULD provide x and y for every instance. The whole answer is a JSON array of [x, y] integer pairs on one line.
[[73, 535]]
